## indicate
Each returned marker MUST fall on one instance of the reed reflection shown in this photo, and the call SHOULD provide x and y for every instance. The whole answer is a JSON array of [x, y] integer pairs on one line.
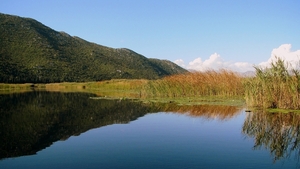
[[219, 112], [277, 132]]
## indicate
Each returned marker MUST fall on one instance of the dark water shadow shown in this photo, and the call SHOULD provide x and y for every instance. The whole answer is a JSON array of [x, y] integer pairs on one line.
[[32, 121]]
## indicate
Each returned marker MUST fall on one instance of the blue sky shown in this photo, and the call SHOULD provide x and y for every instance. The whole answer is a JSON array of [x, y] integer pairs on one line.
[[220, 32]]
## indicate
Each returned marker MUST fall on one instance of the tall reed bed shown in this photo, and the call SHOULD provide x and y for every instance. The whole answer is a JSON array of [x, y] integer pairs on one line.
[[274, 87], [209, 83]]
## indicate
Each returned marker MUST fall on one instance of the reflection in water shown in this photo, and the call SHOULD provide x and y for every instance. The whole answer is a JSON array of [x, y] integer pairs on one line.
[[220, 112], [32, 121], [277, 132]]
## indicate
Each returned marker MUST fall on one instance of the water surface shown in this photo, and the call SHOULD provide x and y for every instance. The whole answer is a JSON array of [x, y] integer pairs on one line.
[[70, 130]]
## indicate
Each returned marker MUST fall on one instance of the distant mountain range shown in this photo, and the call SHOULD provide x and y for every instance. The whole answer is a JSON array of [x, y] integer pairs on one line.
[[33, 52]]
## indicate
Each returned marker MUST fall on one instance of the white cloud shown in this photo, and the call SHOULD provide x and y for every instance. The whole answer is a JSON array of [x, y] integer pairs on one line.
[[180, 62], [241, 66], [197, 64], [215, 61], [284, 52]]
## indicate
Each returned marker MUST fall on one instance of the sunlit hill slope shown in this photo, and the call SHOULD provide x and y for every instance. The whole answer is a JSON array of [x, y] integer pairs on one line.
[[33, 52]]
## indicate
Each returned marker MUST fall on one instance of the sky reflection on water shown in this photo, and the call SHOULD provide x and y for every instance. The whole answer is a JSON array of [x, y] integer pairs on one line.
[[158, 140]]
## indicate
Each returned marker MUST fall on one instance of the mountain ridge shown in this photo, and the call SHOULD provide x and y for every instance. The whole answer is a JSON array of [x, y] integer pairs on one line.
[[33, 52]]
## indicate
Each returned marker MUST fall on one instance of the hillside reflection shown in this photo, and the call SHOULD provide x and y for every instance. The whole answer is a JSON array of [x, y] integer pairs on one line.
[[276, 132], [30, 122]]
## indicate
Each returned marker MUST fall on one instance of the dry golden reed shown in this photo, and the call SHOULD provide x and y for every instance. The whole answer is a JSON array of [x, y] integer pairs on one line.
[[208, 83]]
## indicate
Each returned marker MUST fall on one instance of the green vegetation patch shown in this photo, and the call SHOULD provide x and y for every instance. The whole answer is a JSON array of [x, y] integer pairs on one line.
[[282, 111], [274, 87], [199, 101]]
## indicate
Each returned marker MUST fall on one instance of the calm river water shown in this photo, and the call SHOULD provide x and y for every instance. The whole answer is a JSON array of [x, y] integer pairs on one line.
[[71, 130]]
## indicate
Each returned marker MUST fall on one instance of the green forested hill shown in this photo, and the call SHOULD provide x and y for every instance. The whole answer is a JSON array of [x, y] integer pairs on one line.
[[33, 52]]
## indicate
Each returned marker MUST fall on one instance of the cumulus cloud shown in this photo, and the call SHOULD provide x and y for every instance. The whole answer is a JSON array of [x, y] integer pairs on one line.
[[215, 61], [180, 62], [284, 52]]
